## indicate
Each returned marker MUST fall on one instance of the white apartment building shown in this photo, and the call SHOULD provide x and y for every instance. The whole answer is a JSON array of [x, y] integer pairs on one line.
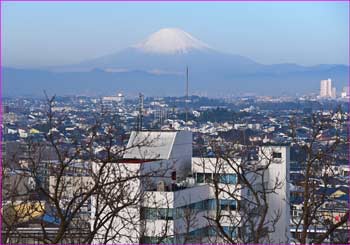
[[158, 157], [326, 89], [345, 93], [185, 199], [119, 98]]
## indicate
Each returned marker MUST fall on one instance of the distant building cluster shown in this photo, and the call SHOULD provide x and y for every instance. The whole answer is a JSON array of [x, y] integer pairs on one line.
[[326, 89]]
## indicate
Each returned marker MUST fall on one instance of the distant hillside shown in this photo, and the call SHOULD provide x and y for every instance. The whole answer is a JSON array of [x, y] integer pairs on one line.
[[97, 82], [156, 66]]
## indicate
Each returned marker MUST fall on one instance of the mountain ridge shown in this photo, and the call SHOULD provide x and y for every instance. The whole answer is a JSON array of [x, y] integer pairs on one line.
[[134, 70]]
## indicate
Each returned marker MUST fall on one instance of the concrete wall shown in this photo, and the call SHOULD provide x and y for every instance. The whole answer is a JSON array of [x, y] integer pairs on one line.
[[279, 201]]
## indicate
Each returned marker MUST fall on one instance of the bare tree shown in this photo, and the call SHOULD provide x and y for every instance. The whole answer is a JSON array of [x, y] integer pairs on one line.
[[83, 193], [241, 186], [81, 188], [321, 217]]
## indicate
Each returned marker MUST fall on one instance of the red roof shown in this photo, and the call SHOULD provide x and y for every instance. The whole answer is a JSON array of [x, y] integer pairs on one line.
[[138, 160]]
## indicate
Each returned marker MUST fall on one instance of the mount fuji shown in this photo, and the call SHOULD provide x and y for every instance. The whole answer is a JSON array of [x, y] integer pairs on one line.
[[167, 51], [157, 64], [171, 41]]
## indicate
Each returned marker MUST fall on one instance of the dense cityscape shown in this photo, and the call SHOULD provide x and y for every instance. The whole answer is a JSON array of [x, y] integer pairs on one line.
[[47, 137]]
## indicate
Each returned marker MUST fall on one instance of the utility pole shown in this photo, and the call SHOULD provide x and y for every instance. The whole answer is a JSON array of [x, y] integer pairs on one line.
[[186, 101], [140, 112]]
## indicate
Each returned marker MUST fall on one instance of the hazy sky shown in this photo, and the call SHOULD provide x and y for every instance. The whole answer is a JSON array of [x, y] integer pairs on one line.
[[40, 34]]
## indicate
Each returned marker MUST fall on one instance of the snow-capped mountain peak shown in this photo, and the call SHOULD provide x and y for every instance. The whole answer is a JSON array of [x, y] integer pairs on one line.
[[170, 41]]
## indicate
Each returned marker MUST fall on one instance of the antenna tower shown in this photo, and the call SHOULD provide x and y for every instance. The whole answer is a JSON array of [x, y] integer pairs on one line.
[[140, 112], [186, 101]]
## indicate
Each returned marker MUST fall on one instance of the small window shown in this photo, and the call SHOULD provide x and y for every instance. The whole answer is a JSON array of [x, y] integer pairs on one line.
[[199, 205], [228, 205], [229, 231], [210, 204], [277, 155], [200, 178], [208, 178], [165, 213], [173, 175], [228, 179], [154, 213]]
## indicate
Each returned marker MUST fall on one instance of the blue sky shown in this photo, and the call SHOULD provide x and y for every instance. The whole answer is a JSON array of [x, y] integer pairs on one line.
[[40, 34]]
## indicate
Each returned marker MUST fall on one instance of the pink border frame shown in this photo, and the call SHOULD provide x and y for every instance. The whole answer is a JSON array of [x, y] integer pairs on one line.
[[153, 1]]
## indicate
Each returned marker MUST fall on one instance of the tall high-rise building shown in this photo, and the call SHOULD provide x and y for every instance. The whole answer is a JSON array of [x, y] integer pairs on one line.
[[326, 89]]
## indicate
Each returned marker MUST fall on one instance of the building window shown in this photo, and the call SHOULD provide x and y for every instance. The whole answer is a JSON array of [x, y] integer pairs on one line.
[[208, 178], [157, 213], [221, 178], [230, 231], [176, 213], [277, 155], [228, 178], [157, 240], [228, 205], [196, 236], [200, 178], [210, 204]]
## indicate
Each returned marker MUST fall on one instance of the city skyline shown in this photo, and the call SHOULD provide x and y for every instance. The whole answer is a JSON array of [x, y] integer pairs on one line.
[[40, 34]]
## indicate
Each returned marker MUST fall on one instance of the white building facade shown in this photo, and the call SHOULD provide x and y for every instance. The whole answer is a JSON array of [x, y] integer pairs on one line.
[[326, 89], [184, 199]]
